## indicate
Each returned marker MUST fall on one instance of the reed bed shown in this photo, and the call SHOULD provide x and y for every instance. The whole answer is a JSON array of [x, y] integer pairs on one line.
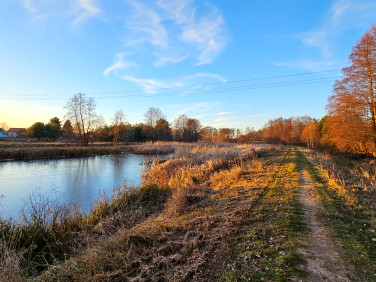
[[33, 153], [355, 177], [193, 164], [49, 233]]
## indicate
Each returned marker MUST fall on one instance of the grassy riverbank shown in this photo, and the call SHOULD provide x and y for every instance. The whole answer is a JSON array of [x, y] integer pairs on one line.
[[212, 212]]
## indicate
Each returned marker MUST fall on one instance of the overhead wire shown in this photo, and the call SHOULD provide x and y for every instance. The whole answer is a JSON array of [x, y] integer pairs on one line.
[[192, 89]]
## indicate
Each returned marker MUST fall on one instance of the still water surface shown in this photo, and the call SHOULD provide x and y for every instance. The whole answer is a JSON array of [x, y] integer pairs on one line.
[[66, 180]]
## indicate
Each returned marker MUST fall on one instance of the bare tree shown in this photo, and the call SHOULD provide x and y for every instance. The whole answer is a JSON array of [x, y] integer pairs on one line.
[[152, 115], [179, 125], [81, 111], [117, 123]]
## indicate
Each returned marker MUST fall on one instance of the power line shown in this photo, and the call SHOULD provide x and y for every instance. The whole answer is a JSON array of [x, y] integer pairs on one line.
[[191, 92], [214, 83]]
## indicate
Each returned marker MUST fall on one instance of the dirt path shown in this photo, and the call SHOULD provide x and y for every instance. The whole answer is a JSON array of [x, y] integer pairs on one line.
[[321, 251]]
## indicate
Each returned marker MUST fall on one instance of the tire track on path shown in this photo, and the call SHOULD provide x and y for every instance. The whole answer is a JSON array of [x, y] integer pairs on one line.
[[321, 251]]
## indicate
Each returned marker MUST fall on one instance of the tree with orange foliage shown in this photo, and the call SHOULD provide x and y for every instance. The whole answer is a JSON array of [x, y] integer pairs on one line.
[[311, 135], [352, 107]]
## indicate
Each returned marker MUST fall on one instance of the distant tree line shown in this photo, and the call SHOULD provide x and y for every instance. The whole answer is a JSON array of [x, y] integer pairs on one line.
[[50, 131], [349, 126]]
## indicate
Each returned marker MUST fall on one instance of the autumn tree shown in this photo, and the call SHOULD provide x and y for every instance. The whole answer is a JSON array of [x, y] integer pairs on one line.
[[81, 110], [311, 135], [208, 133], [68, 130], [163, 130], [352, 107]]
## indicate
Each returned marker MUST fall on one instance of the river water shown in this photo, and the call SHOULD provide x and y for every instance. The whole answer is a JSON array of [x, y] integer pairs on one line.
[[77, 180]]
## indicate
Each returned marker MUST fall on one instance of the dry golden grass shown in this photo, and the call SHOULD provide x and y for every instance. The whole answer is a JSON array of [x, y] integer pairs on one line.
[[355, 179]]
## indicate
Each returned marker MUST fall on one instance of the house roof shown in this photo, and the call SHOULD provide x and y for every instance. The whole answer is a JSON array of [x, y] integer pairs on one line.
[[3, 131], [16, 129]]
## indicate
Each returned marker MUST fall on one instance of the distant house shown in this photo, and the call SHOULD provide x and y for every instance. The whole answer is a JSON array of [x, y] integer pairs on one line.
[[3, 133], [16, 132]]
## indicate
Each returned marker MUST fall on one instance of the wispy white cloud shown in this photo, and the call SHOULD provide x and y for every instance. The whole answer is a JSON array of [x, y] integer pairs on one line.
[[222, 122], [309, 65], [352, 13], [224, 113], [317, 39], [119, 64], [85, 9], [181, 11], [199, 109], [150, 85], [222, 119], [208, 75], [343, 15], [80, 10], [208, 35], [163, 61], [175, 32], [28, 5], [146, 21]]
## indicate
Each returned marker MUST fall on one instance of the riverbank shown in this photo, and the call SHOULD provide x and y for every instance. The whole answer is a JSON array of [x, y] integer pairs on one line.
[[210, 213]]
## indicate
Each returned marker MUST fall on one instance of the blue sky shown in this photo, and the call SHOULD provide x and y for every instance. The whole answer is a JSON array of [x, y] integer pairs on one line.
[[227, 63]]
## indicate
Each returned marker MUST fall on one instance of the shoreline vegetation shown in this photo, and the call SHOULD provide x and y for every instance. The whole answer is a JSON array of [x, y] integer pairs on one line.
[[226, 212], [56, 150]]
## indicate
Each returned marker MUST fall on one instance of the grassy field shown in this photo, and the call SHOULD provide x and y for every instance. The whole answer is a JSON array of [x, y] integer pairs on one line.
[[212, 212]]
